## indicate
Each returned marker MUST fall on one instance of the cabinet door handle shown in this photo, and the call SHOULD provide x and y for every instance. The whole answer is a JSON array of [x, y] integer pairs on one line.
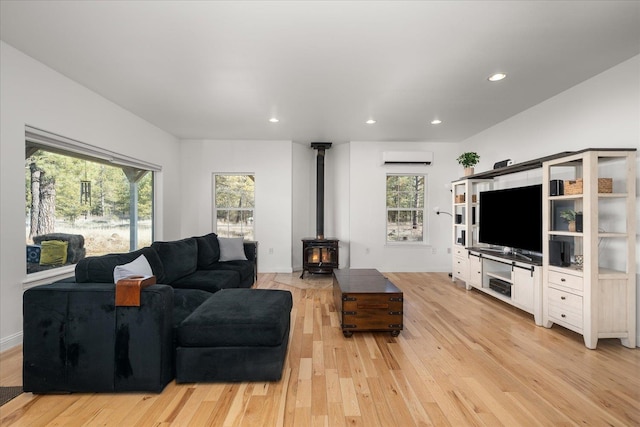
[[563, 298], [563, 280], [563, 315]]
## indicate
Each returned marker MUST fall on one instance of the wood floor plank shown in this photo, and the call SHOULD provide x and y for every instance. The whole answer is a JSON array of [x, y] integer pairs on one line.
[[190, 408], [336, 415], [349, 398], [462, 359], [383, 412]]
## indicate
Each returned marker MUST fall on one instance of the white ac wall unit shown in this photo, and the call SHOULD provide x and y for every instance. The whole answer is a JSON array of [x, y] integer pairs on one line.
[[407, 157]]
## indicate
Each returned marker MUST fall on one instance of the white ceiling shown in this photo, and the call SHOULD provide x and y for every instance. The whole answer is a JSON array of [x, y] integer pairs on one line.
[[220, 70]]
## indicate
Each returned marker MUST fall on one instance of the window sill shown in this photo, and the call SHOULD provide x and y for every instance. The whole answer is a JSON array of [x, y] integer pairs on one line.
[[407, 245], [48, 276]]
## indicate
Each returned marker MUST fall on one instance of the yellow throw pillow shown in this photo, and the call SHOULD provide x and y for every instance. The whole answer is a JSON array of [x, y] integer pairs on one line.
[[54, 252]]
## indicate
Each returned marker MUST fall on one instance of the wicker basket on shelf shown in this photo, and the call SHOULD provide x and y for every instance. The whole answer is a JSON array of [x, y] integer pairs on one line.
[[605, 185]]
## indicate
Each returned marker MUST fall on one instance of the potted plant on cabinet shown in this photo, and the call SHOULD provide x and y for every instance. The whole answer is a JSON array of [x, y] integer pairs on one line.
[[468, 160], [570, 216]]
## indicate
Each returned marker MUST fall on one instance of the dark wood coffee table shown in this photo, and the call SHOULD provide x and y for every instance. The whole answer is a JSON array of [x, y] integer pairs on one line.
[[367, 301]]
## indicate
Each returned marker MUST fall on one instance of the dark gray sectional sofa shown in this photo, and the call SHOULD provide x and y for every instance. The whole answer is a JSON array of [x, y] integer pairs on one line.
[[192, 263], [200, 322]]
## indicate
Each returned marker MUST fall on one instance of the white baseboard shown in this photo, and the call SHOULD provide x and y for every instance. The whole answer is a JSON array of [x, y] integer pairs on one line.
[[11, 341]]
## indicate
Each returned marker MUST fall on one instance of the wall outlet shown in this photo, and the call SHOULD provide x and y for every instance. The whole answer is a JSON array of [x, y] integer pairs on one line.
[[270, 251], [449, 250], [434, 251]]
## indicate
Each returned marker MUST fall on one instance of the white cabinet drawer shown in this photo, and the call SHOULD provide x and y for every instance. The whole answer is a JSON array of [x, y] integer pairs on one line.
[[565, 307], [565, 280], [459, 251], [461, 268]]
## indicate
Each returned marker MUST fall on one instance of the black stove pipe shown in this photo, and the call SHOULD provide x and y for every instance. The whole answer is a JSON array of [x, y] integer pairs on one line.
[[321, 147]]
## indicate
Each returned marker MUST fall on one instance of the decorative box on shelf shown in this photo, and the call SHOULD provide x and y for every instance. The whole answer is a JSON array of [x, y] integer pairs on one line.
[[605, 185], [461, 198]]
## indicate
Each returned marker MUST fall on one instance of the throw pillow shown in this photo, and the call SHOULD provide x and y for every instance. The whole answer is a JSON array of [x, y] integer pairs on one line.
[[33, 253], [138, 267], [54, 252], [231, 248]]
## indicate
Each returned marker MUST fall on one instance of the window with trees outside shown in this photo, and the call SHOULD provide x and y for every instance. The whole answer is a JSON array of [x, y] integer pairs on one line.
[[234, 197], [96, 204], [406, 195]]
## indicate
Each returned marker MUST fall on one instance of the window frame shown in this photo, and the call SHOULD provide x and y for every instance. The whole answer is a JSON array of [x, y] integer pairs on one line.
[[215, 208], [425, 234], [38, 139]]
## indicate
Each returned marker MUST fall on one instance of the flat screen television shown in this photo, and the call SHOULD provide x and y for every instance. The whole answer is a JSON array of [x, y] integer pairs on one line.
[[512, 217]]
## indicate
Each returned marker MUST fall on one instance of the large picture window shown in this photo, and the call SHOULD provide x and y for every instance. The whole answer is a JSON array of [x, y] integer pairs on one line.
[[406, 195], [234, 205], [82, 203]]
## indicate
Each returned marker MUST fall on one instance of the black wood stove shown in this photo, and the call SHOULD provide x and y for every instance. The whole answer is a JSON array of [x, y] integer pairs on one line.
[[319, 254]]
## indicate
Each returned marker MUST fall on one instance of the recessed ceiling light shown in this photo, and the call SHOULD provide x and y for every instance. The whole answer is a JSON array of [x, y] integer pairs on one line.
[[370, 121], [273, 120], [436, 122], [496, 77]]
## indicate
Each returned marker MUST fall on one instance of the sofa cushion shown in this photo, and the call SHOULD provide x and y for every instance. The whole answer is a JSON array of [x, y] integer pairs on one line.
[[209, 280], [208, 251], [185, 301], [231, 249], [99, 269], [54, 252], [238, 317], [244, 268], [179, 258], [138, 267]]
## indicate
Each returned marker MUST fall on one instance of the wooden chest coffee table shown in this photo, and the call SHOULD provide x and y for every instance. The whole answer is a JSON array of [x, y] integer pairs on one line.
[[367, 301]]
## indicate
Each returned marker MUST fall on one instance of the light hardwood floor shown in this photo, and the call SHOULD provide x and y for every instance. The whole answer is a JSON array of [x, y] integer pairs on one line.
[[463, 358]]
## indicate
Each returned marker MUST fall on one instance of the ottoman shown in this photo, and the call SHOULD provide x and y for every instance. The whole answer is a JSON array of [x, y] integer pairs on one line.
[[235, 335]]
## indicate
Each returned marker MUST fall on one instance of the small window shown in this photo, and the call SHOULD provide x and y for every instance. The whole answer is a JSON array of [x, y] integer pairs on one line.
[[406, 195], [233, 198]]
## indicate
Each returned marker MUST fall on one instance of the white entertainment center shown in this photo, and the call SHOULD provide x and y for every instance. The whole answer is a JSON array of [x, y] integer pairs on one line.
[[593, 290]]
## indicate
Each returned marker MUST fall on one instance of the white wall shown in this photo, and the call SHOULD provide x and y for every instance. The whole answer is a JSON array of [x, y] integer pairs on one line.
[[303, 204], [271, 162], [35, 95], [339, 205], [367, 207], [603, 112]]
